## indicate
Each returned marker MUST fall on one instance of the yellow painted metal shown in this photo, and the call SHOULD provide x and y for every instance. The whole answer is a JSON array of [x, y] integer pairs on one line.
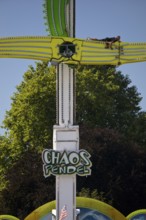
[[37, 48], [87, 203], [87, 52]]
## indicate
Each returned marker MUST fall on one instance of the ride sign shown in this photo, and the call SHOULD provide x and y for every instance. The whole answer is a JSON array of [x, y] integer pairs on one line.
[[57, 162]]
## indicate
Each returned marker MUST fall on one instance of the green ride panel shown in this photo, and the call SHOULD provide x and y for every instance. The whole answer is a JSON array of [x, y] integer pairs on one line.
[[55, 16]]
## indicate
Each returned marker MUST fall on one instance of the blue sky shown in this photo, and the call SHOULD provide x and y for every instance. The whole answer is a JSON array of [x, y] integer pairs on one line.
[[94, 18]]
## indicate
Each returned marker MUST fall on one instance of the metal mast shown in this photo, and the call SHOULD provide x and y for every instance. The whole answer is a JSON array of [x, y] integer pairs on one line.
[[65, 133]]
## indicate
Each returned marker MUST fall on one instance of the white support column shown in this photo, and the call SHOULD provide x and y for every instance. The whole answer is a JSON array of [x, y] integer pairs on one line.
[[65, 95], [65, 134], [66, 137]]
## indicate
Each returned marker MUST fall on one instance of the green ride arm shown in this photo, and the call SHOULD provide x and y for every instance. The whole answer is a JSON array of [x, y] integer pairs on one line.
[[63, 17], [55, 15], [59, 17], [49, 18]]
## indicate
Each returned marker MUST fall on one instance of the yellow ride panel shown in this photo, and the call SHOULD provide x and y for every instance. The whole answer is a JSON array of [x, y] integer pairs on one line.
[[71, 50]]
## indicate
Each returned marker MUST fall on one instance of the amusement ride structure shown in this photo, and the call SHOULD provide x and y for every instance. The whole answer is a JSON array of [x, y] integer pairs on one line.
[[64, 49]]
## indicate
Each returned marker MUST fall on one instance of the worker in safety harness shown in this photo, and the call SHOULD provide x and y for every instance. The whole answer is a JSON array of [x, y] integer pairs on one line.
[[108, 40]]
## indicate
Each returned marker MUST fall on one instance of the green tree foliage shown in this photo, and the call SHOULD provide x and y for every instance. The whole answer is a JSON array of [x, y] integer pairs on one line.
[[6, 159], [86, 192], [26, 188], [106, 99], [32, 114], [118, 175], [118, 168], [105, 102], [137, 130]]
